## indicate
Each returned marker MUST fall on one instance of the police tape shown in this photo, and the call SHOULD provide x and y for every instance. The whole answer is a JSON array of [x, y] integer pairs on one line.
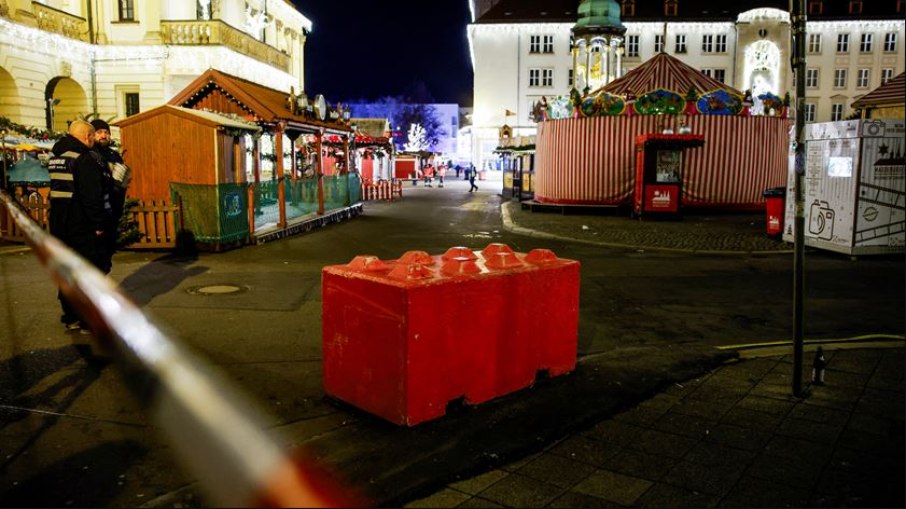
[[217, 431]]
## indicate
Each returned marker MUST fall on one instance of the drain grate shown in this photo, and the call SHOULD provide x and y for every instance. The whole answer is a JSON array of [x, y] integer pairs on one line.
[[216, 290]]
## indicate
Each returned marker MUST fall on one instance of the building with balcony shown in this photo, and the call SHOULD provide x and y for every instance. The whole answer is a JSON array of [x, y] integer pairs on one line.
[[60, 59], [523, 50]]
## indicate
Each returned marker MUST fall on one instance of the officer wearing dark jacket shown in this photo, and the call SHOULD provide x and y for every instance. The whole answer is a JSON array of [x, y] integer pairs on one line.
[[109, 158], [80, 210]]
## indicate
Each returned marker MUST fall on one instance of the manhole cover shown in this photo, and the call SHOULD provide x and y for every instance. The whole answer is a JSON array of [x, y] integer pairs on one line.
[[216, 290]]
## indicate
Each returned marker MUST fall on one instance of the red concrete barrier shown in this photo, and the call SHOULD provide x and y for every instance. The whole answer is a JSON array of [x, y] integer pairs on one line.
[[403, 338]]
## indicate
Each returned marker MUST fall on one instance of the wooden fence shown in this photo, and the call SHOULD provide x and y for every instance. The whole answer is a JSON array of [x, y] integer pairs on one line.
[[156, 222]]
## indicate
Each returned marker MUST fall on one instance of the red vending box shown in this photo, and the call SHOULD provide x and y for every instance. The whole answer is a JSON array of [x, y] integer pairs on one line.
[[404, 338]]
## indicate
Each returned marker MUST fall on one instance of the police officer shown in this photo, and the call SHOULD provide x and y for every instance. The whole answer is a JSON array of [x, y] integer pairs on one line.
[[80, 211]]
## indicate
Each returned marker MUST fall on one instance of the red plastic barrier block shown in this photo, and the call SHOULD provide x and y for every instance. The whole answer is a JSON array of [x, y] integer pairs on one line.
[[403, 338]]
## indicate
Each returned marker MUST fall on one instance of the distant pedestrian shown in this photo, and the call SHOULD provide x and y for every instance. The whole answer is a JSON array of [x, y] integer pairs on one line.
[[473, 173], [458, 169], [818, 366], [441, 173]]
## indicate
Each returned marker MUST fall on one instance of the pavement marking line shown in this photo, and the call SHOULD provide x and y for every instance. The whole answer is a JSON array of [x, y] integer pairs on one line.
[[788, 350]]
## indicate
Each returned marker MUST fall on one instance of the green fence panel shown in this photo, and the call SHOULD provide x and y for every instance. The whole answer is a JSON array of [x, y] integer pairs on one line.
[[213, 214], [301, 197], [335, 192], [267, 209], [234, 217], [355, 188]]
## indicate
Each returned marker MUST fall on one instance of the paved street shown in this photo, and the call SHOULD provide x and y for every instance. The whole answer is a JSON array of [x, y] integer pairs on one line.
[[650, 318]]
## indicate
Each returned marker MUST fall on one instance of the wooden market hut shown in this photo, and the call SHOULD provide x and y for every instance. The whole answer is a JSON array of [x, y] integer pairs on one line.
[[373, 148], [886, 101], [293, 199], [170, 148]]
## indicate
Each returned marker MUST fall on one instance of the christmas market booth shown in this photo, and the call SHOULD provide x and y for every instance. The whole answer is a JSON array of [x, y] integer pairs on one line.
[[290, 175], [586, 145], [373, 148], [517, 161], [191, 149]]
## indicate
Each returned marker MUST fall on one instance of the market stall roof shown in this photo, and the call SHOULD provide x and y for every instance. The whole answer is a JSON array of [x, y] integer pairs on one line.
[[892, 93], [28, 171], [203, 117], [232, 94], [665, 72], [374, 127]]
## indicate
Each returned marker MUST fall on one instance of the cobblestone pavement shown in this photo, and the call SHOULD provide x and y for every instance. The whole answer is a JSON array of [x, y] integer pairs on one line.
[[697, 232], [732, 438]]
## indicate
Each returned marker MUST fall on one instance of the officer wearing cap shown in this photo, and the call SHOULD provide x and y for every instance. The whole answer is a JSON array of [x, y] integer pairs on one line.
[[117, 172]]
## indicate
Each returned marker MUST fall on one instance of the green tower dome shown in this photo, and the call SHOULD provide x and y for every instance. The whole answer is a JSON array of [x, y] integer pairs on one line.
[[599, 17]]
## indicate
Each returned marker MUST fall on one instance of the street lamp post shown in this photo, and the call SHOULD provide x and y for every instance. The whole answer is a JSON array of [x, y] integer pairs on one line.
[[797, 33]]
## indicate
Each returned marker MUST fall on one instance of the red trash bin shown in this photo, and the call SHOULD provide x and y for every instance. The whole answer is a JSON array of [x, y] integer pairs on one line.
[[775, 201]]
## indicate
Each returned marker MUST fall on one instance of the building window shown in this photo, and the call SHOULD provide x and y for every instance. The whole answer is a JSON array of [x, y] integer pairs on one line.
[[864, 78], [855, 6], [836, 112], [632, 45], [658, 43], [720, 43], [541, 77], [718, 74], [809, 112], [890, 42], [571, 79], [900, 4], [842, 43], [547, 77], [670, 7], [130, 99], [547, 44], [541, 44], [680, 44], [865, 46], [815, 7], [886, 75], [127, 10], [627, 8], [811, 78], [814, 43], [839, 78], [707, 44]]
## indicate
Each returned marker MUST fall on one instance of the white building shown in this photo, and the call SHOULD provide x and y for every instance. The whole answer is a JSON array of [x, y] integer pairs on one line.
[[522, 50], [60, 59]]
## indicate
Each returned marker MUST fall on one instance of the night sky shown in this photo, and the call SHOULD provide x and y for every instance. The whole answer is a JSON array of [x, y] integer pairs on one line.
[[390, 47]]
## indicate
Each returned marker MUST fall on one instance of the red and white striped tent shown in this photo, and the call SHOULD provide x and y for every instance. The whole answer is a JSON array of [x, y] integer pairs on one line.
[[665, 72], [591, 161]]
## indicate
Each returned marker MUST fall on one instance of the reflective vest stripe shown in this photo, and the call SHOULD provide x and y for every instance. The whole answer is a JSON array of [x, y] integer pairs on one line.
[[70, 154], [61, 194], [60, 176]]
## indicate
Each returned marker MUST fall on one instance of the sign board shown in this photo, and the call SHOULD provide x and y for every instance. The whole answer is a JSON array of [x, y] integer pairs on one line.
[[855, 187]]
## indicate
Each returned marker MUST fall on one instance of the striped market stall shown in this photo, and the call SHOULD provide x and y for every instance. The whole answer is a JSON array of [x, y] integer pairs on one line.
[[585, 146]]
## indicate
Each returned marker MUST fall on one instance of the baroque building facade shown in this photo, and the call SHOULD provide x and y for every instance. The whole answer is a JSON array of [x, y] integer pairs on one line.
[[61, 59], [523, 50]]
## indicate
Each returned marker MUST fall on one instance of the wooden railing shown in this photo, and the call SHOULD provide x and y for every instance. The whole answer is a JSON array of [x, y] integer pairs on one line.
[[156, 222], [57, 21], [216, 32]]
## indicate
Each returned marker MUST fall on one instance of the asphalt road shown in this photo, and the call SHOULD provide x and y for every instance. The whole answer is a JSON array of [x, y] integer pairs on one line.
[[268, 337]]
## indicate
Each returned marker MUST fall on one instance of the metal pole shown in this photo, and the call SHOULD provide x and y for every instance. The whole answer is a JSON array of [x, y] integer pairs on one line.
[[797, 34]]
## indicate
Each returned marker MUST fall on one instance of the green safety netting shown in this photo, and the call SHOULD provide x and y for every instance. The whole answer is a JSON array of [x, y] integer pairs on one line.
[[213, 213], [336, 191], [301, 197], [355, 188]]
